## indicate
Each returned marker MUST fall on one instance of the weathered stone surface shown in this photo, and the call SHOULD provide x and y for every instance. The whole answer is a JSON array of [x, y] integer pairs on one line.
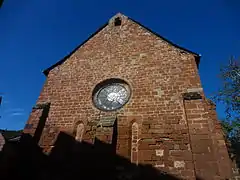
[[159, 152], [179, 164], [171, 112]]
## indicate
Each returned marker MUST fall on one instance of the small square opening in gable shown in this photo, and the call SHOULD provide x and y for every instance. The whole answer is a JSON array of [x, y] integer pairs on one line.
[[117, 21]]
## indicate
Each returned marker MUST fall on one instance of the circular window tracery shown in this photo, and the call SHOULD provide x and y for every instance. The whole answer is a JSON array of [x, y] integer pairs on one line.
[[111, 95]]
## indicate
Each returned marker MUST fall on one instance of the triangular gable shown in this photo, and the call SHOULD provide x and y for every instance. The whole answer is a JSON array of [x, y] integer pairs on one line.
[[197, 56]]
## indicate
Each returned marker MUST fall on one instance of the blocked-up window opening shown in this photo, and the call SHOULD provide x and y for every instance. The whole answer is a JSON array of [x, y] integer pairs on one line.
[[80, 131], [134, 143]]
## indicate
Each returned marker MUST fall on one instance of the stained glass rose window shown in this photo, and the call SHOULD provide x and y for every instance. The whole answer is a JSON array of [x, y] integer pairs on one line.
[[111, 96]]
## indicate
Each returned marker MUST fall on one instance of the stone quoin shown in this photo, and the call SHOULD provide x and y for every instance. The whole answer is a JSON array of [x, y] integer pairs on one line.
[[127, 73]]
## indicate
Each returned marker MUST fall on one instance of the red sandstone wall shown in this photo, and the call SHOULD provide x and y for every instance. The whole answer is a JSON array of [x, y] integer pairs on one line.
[[173, 134], [2, 142]]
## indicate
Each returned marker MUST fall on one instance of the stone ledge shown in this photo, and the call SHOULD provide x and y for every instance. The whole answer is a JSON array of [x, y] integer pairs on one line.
[[42, 105], [106, 122], [192, 96]]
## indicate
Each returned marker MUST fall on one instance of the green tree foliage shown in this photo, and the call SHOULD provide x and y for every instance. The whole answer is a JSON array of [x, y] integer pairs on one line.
[[1, 2], [229, 95]]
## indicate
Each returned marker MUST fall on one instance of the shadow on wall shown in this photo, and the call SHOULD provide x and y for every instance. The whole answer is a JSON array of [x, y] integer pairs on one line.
[[233, 146], [70, 159]]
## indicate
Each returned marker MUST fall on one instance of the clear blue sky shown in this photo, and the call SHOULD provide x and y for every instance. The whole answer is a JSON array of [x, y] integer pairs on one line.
[[35, 34]]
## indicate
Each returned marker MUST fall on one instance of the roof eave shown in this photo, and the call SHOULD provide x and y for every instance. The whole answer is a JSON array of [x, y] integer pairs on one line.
[[46, 71], [196, 55], [170, 42]]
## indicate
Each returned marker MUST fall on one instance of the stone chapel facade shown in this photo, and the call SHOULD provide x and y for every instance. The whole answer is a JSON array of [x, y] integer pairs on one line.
[[150, 86]]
